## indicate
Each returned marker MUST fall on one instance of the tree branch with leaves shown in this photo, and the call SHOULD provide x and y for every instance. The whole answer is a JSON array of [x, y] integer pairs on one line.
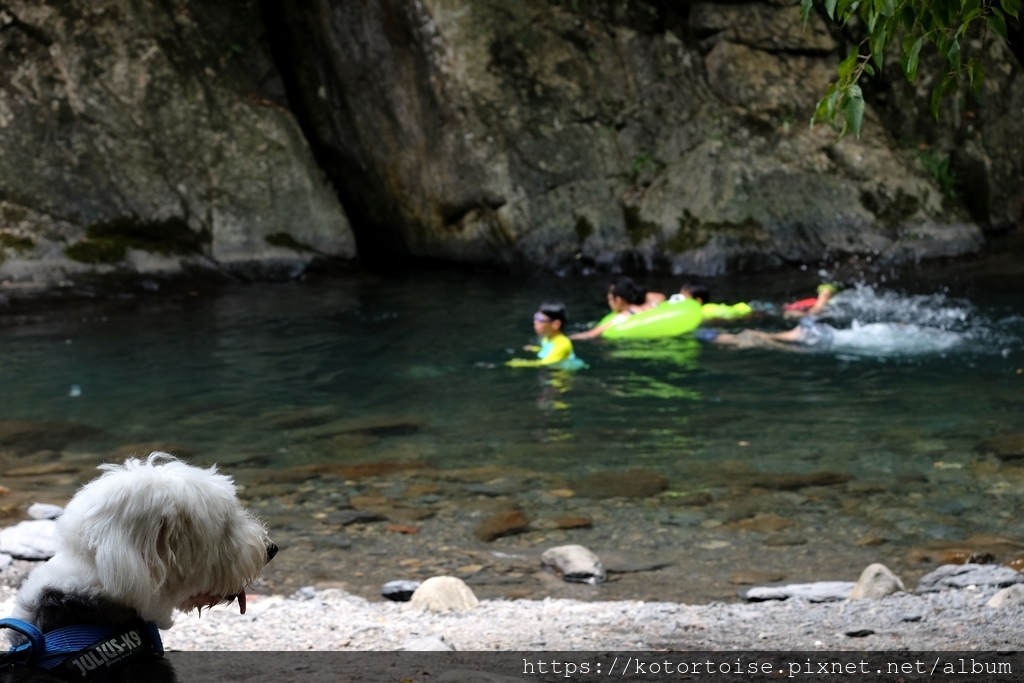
[[944, 24]]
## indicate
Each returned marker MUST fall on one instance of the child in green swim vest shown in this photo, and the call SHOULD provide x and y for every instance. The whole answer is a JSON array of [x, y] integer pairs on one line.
[[711, 311], [555, 349]]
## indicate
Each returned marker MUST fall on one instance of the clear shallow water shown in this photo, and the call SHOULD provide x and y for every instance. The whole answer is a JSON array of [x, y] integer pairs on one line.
[[402, 369]]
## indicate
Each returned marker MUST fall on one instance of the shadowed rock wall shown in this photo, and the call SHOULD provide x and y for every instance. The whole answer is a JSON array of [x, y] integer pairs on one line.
[[157, 135], [130, 140], [560, 134]]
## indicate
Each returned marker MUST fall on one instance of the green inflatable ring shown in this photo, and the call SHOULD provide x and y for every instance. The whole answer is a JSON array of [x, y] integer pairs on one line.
[[727, 311], [669, 319]]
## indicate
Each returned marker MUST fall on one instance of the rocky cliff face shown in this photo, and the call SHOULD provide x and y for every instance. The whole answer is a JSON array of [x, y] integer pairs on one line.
[[561, 133], [132, 140], [148, 135]]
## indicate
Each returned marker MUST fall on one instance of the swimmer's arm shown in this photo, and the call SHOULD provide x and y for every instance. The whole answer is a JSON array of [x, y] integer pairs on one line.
[[591, 333], [524, 363], [819, 305], [793, 336], [561, 350], [599, 330]]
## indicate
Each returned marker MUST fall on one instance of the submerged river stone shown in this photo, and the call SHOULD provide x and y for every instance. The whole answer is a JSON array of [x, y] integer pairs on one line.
[[29, 436], [630, 484], [1004, 446], [504, 523]]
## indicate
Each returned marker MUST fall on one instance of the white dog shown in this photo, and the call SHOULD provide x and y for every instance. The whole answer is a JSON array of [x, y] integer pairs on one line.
[[143, 539]]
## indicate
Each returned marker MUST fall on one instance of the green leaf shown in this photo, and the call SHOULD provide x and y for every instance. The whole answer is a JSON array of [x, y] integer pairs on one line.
[[877, 45], [976, 74], [888, 8], [947, 83], [1011, 7], [805, 10], [819, 111], [927, 20], [970, 16], [830, 8], [936, 100], [997, 22], [954, 56], [909, 17], [853, 109], [830, 107], [948, 10], [911, 56], [846, 67]]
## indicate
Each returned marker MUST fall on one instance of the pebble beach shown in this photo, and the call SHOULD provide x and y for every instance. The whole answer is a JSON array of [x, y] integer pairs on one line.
[[333, 619]]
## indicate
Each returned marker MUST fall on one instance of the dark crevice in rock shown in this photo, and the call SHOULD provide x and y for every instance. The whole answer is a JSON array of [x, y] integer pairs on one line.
[[10, 20], [378, 243]]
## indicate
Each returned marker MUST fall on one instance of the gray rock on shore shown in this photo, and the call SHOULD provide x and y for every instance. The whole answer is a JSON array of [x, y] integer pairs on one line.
[[876, 581], [34, 539], [818, 591], [444, 594], [575, 563], [966, 575], [1009, 597]]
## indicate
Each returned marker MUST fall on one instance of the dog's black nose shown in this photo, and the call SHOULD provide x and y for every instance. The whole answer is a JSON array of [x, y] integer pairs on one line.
[[271, 550]]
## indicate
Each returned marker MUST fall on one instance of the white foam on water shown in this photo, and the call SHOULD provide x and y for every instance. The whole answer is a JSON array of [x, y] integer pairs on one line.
[[886, 339], [870, 322], [866, 304]]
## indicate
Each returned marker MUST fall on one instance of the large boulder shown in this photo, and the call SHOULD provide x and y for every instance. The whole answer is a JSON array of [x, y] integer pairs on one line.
[[132, 140], [599, 133], [155, 138]]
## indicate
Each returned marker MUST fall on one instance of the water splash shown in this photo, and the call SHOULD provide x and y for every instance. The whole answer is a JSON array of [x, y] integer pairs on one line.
[[865, 304], [876, 322], [886, 339]]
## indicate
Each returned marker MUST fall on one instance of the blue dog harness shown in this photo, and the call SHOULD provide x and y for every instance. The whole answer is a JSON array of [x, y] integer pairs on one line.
[[81, 653]]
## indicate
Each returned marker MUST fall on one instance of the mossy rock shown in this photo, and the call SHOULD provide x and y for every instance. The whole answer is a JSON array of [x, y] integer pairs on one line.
[[636, 228], [584, 228], [96, 251], [283, 239], [171, 236], [16, 242]]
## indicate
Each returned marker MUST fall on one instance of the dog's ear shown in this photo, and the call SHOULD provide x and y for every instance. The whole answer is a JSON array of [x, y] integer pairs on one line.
[[131, 555]]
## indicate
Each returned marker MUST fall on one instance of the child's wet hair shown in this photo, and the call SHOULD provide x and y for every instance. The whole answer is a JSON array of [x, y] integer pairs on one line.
[[697, 290], [555, 310], [628, 290]]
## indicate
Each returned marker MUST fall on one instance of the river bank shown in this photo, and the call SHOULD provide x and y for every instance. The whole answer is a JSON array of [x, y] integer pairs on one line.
[[336, 620]]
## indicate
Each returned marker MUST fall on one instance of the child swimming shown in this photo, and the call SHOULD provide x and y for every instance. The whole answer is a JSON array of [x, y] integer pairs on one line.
[[555, 349]]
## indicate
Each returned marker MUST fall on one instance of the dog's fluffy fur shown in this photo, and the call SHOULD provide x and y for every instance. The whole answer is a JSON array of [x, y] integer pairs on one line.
[[143, 539]]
